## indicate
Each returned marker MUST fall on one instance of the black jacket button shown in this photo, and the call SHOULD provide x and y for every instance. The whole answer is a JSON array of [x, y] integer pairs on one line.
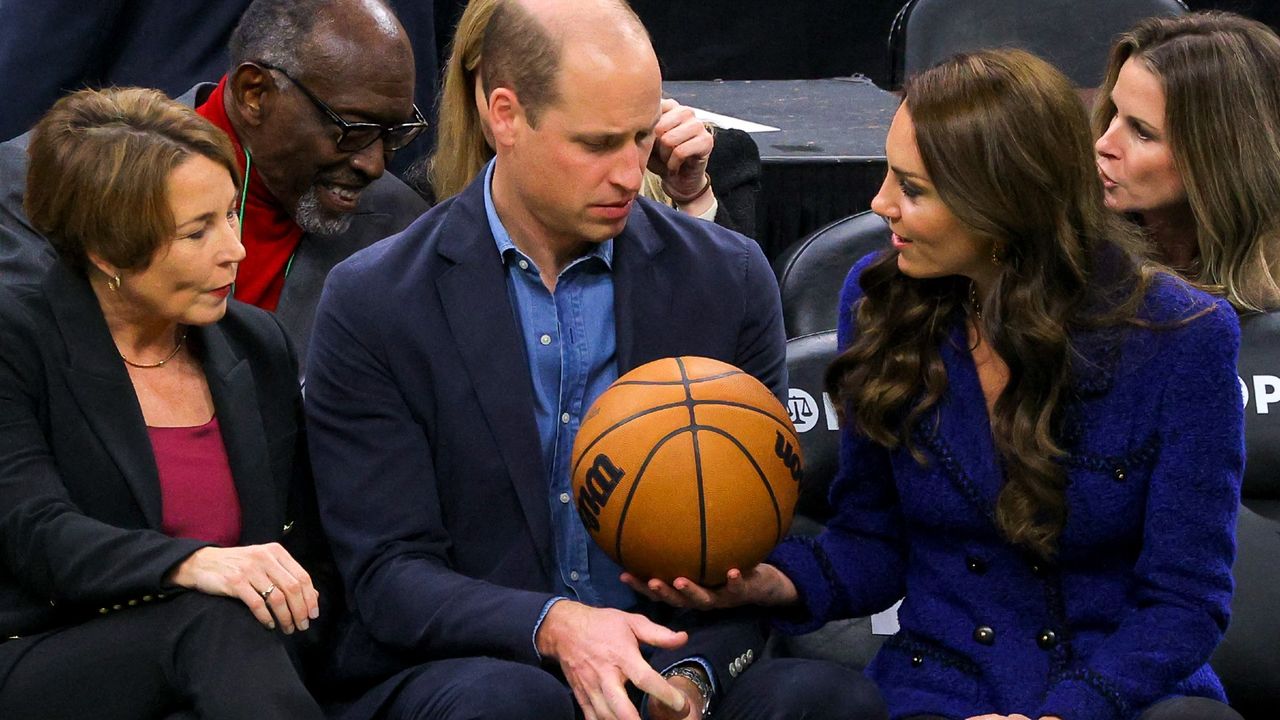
[[1120, 475], [976, 565], [1047, 639], [984, 635], [916, 661]]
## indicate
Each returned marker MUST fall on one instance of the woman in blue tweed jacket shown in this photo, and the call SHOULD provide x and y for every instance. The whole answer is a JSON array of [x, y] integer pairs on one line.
[[1042, 444]]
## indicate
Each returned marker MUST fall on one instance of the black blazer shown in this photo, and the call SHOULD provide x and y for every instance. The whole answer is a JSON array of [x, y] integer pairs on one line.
[[419, 409], [80, 510]]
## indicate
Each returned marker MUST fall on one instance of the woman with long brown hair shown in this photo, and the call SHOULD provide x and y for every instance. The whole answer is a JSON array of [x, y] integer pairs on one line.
[[1042, 434], [1188, 127]]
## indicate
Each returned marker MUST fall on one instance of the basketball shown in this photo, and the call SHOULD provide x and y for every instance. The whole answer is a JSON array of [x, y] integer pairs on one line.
[[686, 467]]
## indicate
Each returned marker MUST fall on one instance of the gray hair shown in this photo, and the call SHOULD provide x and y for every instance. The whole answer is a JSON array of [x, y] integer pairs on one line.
[[276, 31]]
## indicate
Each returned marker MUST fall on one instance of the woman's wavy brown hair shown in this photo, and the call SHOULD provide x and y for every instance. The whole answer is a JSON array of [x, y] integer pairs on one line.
[[1222, 112], [1006, 142], [98, 172]]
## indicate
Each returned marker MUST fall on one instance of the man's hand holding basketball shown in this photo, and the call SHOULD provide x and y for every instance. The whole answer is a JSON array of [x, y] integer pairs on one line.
[[763, 584], [599, 652]]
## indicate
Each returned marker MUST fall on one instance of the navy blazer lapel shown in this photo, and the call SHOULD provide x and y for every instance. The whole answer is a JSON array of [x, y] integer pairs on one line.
[[235, 402], [641, 294], [958, 431], [100, 384], [474, 295]]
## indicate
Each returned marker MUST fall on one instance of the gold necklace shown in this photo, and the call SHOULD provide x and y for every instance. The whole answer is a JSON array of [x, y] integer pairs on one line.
[[145, 366]]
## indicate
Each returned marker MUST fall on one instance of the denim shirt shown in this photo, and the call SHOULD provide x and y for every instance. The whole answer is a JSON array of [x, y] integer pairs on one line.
[[570, 344]]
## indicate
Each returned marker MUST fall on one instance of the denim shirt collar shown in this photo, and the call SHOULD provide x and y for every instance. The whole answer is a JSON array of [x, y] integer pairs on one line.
[[603, 251]]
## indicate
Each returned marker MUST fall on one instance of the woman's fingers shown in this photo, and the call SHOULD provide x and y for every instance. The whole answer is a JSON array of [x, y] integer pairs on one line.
[[248, 594], [275, 588], [310, 596], [286, 592]]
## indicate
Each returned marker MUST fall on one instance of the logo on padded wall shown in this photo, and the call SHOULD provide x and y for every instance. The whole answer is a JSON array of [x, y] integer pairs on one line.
[[1266, 392], [805, 412]]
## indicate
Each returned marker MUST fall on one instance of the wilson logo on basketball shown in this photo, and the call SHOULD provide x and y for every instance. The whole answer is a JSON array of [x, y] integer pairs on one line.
[[782, 448], [602, 478]]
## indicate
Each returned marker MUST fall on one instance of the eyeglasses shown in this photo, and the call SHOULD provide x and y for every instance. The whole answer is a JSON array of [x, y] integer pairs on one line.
[[356, 136]]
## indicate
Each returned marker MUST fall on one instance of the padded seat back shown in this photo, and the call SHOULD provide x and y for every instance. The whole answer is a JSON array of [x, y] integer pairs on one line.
[[1259, 368], [812, 271], [814, 418], [1248, 660], [1073, 35]]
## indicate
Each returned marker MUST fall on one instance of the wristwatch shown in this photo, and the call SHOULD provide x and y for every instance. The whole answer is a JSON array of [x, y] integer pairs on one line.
[[698, 677]]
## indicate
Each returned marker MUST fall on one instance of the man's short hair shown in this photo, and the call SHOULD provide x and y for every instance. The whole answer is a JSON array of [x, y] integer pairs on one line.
[[276, 32], [518, 52], [98, 172], [521, 53]]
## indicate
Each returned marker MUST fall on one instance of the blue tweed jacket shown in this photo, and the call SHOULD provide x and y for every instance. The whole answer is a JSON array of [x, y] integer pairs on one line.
[[1138, 596]]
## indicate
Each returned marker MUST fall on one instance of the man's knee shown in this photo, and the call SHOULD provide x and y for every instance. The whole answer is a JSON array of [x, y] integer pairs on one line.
[[785, 688], [482, 689]]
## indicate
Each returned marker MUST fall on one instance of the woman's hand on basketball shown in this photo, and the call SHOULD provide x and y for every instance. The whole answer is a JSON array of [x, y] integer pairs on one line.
[[763, 584], [266, 578]]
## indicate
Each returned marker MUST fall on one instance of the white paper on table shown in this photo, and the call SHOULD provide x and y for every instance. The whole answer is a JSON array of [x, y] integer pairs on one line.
[[730, 122], [885, 622]]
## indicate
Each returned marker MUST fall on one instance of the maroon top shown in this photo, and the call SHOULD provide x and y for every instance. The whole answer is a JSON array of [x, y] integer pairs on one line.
[[197, 493]]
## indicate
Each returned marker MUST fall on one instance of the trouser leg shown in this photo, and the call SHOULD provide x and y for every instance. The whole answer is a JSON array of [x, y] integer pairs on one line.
[[193, 653], [799, 689]]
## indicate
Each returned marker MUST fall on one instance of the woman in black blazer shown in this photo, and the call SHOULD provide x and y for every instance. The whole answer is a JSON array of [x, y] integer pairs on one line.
[[151, 454]]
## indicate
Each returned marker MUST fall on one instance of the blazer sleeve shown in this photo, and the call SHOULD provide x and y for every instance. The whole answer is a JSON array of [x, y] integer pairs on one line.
[[53, 549], [24, 253], [717, 638], [857, 565], [379, 502], [762, 339], [1180, 601]]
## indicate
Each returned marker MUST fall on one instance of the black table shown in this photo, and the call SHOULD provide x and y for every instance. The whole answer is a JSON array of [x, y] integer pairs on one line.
[[826, 161]]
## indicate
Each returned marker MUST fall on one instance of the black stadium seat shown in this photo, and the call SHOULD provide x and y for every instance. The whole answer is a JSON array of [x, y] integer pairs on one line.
[[1249, 660], [814, 417], [1260, 387], [1073, 35], [812, 271], [849, 642]]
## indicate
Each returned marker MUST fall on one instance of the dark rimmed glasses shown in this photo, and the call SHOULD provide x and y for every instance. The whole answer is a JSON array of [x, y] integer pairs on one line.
[[356, 136]]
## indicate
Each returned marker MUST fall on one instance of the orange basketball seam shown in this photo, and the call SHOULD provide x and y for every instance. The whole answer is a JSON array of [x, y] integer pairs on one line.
[[697, 464], [764, 479], [751, 408], [708, 378], [635, 486], [604, 433], [717, 403]]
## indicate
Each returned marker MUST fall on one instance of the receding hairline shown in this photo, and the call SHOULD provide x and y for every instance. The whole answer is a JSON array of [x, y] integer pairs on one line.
[[596, 22]]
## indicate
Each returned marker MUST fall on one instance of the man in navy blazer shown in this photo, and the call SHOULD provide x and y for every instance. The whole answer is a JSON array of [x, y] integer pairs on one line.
[[450, 366]]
